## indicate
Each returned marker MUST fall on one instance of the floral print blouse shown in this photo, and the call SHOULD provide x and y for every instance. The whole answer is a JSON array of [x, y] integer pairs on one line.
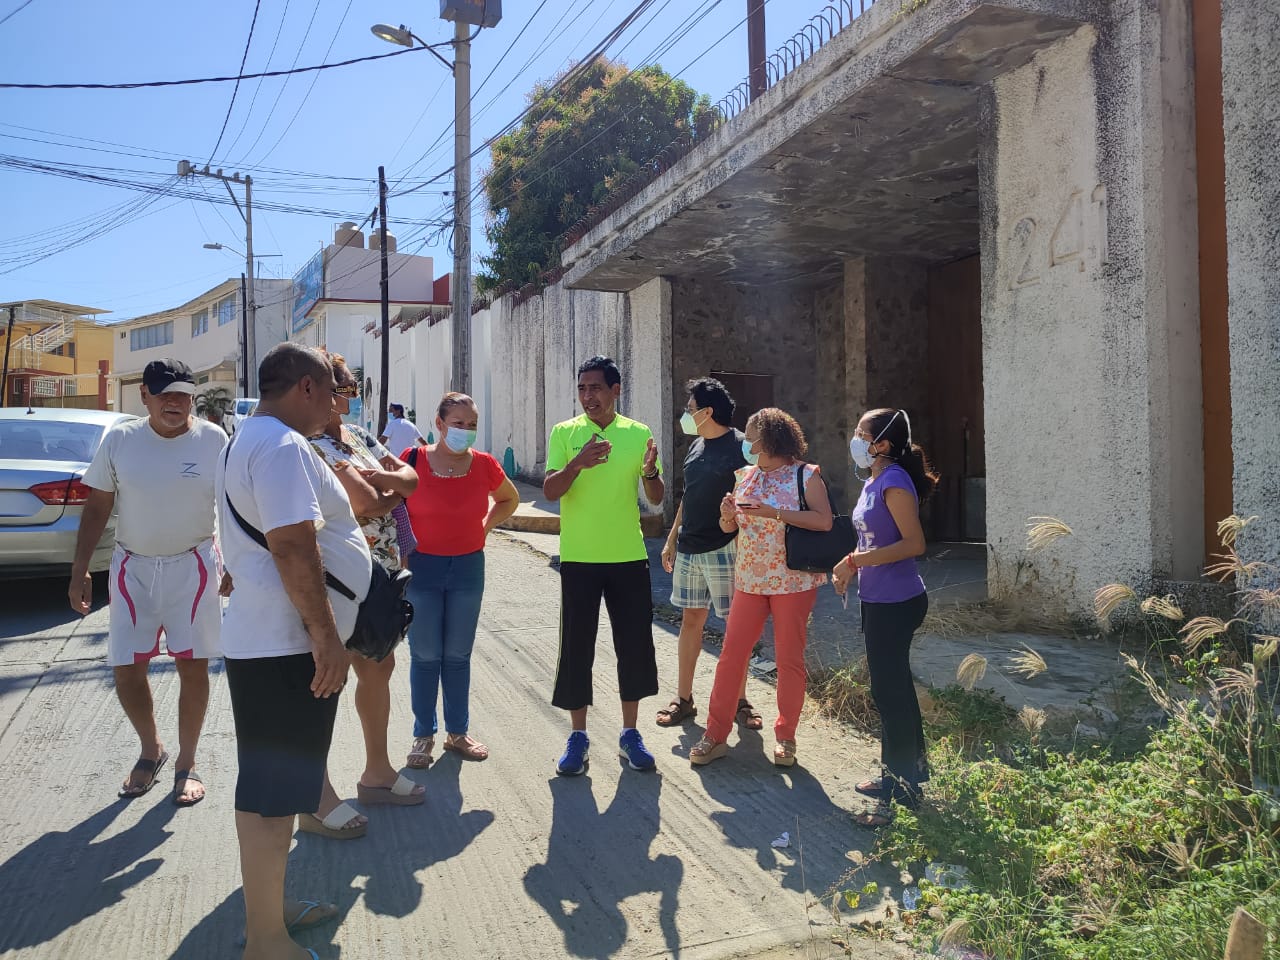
[[762, 550], [360, 450]]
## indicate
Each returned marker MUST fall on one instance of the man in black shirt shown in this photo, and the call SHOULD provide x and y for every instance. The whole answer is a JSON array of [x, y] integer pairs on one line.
[[698, 554]]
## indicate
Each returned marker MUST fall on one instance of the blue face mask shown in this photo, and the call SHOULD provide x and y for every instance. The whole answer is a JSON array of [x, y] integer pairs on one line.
[[459, 441], [353, 413], [751, 458]]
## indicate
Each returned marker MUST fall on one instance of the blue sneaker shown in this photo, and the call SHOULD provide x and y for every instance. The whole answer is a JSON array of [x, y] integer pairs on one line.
[[631, 746], [574, 760]]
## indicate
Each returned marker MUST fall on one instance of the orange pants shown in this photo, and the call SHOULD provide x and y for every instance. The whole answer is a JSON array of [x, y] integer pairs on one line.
[[747, 615]]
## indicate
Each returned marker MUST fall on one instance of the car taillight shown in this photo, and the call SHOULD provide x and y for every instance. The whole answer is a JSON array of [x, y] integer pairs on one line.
[[66, 493]]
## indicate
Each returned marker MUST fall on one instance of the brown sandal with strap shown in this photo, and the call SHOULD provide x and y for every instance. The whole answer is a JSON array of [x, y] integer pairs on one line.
[[677, 712], [748, 716]]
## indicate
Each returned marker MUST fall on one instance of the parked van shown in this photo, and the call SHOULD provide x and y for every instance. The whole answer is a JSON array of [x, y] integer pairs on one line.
[[243, 407]]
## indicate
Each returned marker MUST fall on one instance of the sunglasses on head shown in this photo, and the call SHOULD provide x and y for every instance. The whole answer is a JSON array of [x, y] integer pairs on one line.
[[350, 391]]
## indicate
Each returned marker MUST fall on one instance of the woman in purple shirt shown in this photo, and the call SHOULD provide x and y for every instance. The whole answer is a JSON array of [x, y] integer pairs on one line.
[[893, 597]]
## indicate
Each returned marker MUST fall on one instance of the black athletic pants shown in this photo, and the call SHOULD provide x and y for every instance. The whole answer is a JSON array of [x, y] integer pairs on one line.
[[888, 628]]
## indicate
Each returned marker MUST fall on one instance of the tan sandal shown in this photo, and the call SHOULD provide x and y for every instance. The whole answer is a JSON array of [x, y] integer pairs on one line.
[[706, 750], [468, 746], [784, 753], [420, 753], [341, 823]]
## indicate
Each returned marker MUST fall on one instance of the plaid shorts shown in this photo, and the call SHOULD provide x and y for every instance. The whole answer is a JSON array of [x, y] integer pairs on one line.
[[703, 580]]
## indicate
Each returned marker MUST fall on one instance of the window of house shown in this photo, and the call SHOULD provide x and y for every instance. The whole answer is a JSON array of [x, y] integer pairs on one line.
[[155, 335], [199, 322], [226, 310]]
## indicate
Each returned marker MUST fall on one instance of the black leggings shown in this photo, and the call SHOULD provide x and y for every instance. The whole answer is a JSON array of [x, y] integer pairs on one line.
[[888, 628]]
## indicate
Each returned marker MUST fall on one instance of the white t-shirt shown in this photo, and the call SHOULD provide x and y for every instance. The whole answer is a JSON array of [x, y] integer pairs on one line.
[[275, 479], [401, 434], [163, 485]]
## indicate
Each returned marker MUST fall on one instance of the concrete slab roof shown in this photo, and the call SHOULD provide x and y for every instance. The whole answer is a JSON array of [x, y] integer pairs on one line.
[[869, 147]]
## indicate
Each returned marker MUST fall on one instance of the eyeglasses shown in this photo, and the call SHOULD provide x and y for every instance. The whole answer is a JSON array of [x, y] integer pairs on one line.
[[350, 391]]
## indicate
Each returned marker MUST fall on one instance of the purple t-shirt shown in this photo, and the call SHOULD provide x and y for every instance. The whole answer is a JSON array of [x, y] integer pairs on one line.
[[888, 582]]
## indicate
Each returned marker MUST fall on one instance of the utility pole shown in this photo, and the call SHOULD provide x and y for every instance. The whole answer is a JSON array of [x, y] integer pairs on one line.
[[244, 337], [187, 169], [461, 292], [383, 398], [759, 81], [4, 377]]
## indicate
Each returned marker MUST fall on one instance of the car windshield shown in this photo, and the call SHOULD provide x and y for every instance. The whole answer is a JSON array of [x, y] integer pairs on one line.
[[48, 440], [244, 407]]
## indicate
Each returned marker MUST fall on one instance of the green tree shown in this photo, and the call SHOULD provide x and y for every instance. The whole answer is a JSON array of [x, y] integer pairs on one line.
[[213, 404], [578, 142]]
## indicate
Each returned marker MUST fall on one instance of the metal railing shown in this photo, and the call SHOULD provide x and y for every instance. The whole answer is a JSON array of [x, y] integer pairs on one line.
[[824, 26]]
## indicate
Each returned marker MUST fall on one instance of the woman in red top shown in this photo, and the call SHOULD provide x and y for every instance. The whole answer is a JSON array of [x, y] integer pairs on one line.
[[462, 494]]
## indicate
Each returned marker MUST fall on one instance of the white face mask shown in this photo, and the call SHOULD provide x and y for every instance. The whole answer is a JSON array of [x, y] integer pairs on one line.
[[459, 441], [860, 449], [688, 425]]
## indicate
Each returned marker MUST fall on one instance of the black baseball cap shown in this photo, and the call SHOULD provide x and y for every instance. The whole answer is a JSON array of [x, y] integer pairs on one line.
[[168, 376]]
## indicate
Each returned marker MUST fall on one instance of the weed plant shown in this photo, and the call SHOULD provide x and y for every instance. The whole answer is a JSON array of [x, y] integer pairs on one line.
[[1088, 853]]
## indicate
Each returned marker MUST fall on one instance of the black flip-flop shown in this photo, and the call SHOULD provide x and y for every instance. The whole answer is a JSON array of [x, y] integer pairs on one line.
[[149, 767], [177, 797]]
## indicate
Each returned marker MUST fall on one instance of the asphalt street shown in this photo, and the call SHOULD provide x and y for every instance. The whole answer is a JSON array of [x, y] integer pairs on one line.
[[505, 859]]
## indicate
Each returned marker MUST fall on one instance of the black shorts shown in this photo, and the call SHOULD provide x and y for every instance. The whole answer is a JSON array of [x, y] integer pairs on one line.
[[283, 733], [628, 597]]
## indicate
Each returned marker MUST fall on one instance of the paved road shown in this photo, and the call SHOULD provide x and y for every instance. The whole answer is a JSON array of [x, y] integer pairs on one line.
[[504, 860]]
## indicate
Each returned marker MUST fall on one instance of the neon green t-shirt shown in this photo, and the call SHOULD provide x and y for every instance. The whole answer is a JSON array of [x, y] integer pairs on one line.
[[600, 515]]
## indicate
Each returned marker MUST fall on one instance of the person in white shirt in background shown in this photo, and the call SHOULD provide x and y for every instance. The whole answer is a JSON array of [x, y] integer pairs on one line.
[[400, 434], [158, 474], [285, 522]]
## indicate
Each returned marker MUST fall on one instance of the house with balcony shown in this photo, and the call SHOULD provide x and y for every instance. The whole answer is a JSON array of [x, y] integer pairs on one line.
[[60, 355], [205, 333]]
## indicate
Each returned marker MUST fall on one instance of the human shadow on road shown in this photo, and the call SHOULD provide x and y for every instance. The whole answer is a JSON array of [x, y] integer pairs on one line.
[[597, 860], [65, 877], [766, 801], [383, 865]]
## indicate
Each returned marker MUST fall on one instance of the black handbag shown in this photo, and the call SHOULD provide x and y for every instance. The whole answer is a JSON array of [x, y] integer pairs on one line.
[[818, 551], [382, 618]]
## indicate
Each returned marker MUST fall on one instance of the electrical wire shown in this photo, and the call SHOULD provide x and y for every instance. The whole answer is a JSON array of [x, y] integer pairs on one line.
[[253, 101], [262, 129], [14, 12], [235, 90], [185, 83]]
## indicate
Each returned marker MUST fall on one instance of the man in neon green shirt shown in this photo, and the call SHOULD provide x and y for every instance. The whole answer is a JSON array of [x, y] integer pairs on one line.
[[595, 464]]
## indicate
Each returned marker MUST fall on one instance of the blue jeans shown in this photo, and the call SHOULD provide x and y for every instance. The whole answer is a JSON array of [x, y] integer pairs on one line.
[[446, 594]]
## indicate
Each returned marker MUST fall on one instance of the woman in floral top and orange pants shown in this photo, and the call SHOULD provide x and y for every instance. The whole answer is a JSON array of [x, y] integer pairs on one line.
[[765, 500]]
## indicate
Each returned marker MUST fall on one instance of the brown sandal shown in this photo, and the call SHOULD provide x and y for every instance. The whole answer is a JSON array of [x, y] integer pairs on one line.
[[677, 712], [420, 753], [881, 816], [467, 746], [748, 716]]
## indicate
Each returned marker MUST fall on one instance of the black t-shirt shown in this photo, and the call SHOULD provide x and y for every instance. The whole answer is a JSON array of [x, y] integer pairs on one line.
[[708, 476]]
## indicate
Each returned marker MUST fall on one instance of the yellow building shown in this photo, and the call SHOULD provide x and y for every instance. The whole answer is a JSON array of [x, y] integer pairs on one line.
[[60, 355]]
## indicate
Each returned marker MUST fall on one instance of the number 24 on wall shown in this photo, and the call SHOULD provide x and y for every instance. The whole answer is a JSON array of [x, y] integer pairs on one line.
[[1078, 238]]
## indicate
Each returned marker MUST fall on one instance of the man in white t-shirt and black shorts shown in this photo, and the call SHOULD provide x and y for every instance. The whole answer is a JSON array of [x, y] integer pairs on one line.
[[157, 474], [284, 630]]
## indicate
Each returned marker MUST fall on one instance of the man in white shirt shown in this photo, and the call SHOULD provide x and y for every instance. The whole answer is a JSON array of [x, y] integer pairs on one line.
[[158, 474], [400, 434], [285, 521]]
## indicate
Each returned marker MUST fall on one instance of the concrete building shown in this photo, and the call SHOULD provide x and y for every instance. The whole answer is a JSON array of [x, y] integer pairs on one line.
[[60, 356], [339, 292], [204, 333], [1008, 218]]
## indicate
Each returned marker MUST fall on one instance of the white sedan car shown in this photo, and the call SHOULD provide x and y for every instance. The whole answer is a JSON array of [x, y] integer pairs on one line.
[[44, 453]]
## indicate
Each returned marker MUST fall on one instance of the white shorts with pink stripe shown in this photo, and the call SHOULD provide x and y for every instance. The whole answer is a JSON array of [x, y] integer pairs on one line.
[[171, 597]]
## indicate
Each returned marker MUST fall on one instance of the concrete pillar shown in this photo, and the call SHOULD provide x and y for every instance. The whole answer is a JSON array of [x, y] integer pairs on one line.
[[1090, 324], [1251, 114]]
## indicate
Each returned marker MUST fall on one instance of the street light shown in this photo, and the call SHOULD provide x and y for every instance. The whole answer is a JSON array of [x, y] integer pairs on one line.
[[465, 14]]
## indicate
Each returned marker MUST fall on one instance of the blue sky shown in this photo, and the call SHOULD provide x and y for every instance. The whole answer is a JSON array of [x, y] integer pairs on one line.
[[339, 123]]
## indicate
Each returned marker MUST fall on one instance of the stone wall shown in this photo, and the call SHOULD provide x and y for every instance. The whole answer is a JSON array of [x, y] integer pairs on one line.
[[1251, 105], [1090, 327]]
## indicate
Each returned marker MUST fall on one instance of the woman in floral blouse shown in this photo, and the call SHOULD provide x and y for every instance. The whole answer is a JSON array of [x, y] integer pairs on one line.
[[765, 500], [376, 482]]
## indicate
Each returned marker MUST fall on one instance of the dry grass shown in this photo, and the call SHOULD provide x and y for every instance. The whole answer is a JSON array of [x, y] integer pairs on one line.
[[972, 669], [1042, 531], [844, 694], [1200, 630], [1110, 598], [1166, 606], [1028, 663], [991, 617]]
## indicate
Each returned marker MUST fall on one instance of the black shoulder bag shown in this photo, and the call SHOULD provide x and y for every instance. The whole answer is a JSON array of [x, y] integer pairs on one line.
[[818, 551], [382, 618]]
